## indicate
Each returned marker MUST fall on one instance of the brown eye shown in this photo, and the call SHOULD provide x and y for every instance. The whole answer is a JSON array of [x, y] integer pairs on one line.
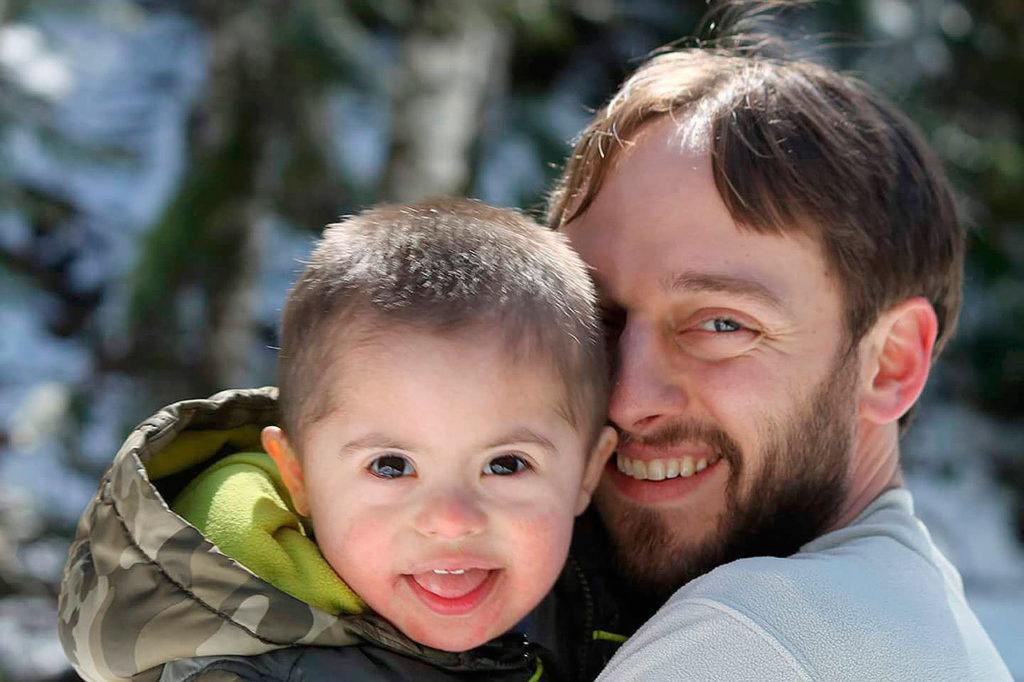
[[506, 465], [391, 466]]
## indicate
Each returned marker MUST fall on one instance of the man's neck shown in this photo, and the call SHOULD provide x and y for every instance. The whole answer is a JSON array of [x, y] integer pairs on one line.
[[875, 468]]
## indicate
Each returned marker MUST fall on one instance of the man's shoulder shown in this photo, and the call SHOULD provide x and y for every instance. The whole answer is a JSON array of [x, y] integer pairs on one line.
[[878, 586], [885, 549], [859, 572]]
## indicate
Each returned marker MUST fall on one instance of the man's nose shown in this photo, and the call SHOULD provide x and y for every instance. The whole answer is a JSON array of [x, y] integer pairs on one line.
[[647, 390], [450, 515]]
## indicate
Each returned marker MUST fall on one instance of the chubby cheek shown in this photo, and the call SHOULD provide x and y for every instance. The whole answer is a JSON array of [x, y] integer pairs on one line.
[[531, 539], [362, 552], [537, 546]]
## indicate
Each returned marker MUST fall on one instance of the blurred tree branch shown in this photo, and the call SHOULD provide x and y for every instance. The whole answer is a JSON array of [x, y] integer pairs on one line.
[[259, 146], [453, 58], [258, 120]]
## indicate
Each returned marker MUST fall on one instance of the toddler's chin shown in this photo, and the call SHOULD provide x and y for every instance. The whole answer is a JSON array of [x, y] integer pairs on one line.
[[448, 639]]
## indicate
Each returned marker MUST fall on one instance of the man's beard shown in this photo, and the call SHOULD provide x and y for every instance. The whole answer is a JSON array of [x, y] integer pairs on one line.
[[794, 498]]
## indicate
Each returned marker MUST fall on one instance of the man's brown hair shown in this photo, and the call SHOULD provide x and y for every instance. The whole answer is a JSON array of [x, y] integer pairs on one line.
[[441, 267], [795, 146]]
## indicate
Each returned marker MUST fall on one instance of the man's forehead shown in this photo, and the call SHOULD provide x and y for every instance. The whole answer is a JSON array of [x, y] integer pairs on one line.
[[689, 135], [639, 259], [680, 138], [668, 134], [658, 174]]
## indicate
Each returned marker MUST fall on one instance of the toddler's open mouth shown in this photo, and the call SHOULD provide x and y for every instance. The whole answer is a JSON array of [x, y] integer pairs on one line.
[[453, 591]]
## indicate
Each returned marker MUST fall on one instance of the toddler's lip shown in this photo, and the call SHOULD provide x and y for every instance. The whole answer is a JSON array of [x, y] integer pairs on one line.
[[451, 585], [452, 562], [453, 595]]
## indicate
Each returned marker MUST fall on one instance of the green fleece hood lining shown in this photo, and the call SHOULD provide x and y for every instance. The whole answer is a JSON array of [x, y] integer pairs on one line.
[[191, 448], [242, 506]]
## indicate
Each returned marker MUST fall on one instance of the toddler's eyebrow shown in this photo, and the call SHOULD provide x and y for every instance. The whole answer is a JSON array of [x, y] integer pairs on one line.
[[380, 441], [523, 435], [376, 441]]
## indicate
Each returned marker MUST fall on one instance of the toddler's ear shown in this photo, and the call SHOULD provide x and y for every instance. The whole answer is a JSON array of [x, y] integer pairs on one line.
[[603, 449], [280, 450]]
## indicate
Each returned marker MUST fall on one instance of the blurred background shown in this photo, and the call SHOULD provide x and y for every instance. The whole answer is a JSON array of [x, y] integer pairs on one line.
[[165, 165]]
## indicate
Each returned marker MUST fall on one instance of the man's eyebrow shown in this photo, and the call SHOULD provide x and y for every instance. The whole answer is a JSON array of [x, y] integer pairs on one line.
[[725, 284], [522, 435]]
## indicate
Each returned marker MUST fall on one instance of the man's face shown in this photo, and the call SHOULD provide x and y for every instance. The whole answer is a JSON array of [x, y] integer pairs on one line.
[[734, 391], [444, 485]]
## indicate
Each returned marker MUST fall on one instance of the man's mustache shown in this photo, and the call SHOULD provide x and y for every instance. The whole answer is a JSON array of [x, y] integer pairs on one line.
[[690, 431]]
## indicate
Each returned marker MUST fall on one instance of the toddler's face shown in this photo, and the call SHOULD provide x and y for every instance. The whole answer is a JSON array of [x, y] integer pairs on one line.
[[444, 483]]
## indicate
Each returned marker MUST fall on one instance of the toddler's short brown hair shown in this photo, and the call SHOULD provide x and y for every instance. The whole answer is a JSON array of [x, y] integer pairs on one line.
[[442, 267]]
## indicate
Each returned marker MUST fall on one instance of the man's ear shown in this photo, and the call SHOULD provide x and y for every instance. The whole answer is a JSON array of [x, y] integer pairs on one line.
[[596, 460], [897, 355], [280, 450]]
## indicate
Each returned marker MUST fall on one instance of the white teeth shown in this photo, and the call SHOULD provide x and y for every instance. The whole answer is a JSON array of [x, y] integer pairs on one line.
[[454, 571], [661, 469]]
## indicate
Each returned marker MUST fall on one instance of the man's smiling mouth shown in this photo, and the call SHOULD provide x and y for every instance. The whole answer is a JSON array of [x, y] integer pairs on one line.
[[663, 468]]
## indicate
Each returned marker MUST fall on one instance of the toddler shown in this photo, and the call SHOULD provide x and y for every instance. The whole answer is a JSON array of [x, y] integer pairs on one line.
[[439, 425]]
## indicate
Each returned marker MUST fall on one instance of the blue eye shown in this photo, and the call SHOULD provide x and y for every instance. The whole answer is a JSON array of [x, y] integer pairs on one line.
[[391, 466], [506, 465], [721, 325]]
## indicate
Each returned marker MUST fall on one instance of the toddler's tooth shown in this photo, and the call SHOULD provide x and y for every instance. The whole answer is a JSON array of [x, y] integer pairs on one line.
[[686, 466], [458, 571], [702, 464], [672, 468], [656, 470]]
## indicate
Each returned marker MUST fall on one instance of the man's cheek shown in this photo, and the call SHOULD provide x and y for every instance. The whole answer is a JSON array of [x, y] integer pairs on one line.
[[733, 390]]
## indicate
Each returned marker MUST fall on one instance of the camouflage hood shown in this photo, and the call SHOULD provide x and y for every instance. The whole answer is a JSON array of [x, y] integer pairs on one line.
[[142, 587]]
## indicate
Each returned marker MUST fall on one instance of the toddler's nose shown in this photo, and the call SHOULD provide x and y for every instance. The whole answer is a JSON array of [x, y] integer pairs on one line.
[[450, 515]]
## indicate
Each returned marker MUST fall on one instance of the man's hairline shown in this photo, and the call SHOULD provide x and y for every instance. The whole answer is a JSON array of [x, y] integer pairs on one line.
[[807, 229]]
